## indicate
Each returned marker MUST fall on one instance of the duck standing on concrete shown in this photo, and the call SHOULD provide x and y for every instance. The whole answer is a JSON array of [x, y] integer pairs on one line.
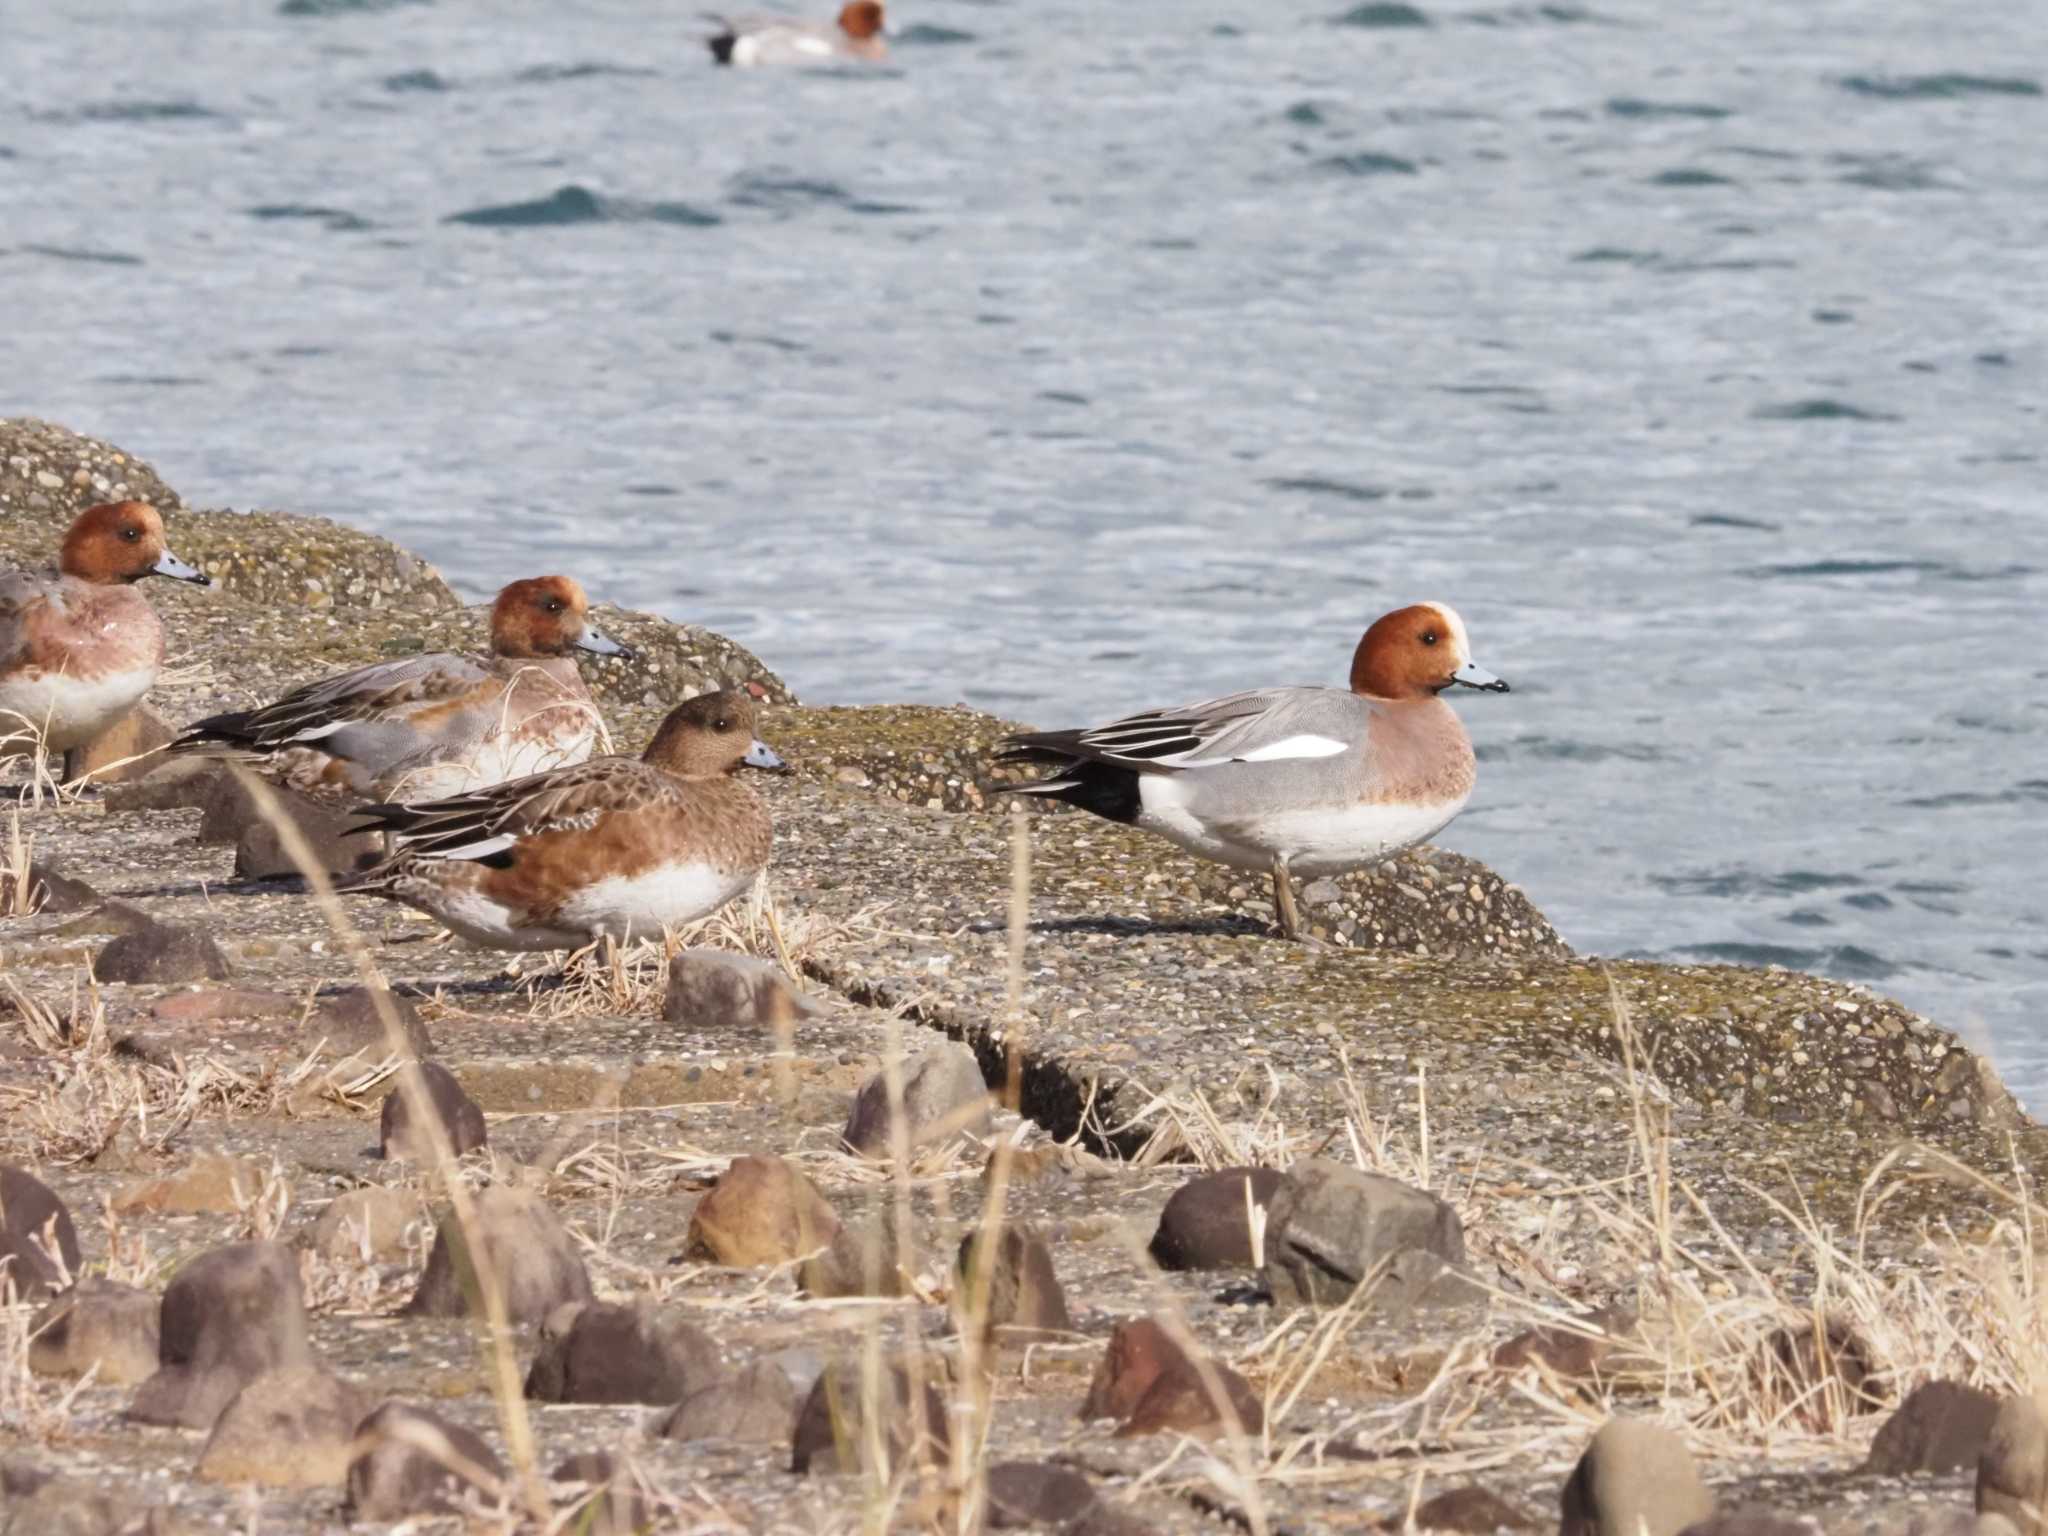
[[1300, 780], [79, 647], [617, 847], [438, 724], [768, 40]]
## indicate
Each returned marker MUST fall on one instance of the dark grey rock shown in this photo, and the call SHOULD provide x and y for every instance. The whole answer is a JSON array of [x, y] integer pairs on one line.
[[861, 1260], [292, 1428], [162, 954], [99, 1326], [1470, 1511], [1206, 1224], [260, 852], [1022, 1295], [1635, 1479], [829, 1430], [1752, 1522], [1331, 1228], [403, 1133], [2012, 1469], [1940, 1427], [715, 991], [409, 1461], [1036, 1493], [228, 1316], [38, 1242], [757, 1406], [53, 893], [349, 1021], [523, 1241], [943, 1094], [607, 1353]]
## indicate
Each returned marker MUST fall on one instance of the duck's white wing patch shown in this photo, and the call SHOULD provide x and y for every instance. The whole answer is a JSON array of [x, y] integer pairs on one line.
[[1307, 744], [482, 848]]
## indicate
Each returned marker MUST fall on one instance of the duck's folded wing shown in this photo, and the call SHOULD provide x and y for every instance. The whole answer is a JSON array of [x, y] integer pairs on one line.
[[1259, 726], [328, 705], [489, 822]]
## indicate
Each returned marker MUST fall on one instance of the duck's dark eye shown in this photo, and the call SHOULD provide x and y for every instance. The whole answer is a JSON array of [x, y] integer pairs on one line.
[[1429, 637], [722, 724], [554, 605], [131, 534]]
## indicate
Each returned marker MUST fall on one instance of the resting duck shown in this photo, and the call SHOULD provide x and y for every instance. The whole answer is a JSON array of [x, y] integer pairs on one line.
[[857, 34]]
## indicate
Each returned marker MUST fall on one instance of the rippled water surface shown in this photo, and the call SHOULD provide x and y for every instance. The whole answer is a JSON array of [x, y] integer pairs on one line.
[[1097, 356]]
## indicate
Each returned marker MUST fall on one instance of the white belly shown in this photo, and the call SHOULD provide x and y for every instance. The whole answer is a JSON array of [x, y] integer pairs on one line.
[[640, 906], [1313, 842], [67, 711], [470, 914], [491, 761]]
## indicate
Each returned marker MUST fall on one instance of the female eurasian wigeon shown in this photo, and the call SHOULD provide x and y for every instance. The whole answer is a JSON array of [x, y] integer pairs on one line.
[[857, 34], [1291, 780], [78, 646], [438, 724], [617, 847]]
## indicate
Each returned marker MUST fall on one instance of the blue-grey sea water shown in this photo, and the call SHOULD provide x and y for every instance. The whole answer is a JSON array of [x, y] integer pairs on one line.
[[1092, 356]]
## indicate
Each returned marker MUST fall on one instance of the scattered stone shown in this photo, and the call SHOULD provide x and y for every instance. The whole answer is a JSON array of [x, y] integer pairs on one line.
[[712, 990], [1207, 1223], [1470, 1511], [126, 750], [761, 1211], [1577, 1354], [1036, 1493], [613, 1503], [368, 1224], [410, 1461], [1635, 1479], [1332, 1227], [1824, 1377], [402, 1133], [210, 1184], [755, 1407], [1940, 1427], [162, 954], [943, 1095], [70, 1506], [172, 784], [53, 894], [829, 1434], [608, 1353], [1151, 1383], [99, 1326], [1139, 1352], [861, 1260], [2012, 1469], [38, 1243], [260, 852], [1950, 1520], [1753, 1522], [351, 1023], [217, 1003], [1022, 1297], [292, 1428], [523, 1241], [228, 1316]]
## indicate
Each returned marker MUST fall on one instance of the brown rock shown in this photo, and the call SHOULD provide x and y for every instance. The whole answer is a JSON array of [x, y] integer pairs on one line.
[[943, 1095], [67, 1506], [172, 784], [1824, 1375], [1470, 1511], [209, 1184], [350, 1021], [228, 1316], [523, 1241], [1036, 1493], [409, 1461], [860, 1260], [1207, 1223], [762, 1211], [216, 1003], [829, 1433], [98, 1326], [292, 1428], [162, 955], [329, 832], [1577, 1354], [38, 1243], [606, 1353], [1942, 1426], [1752, 1522], [366, 1224], [106, 759], [1635, 1479], [2012, 1469], [1201, 1398], [1139, 1353], [403, 1131], [53, 893], [1331, 1228], [757, 1406], [1022, 1295], [714, 991]]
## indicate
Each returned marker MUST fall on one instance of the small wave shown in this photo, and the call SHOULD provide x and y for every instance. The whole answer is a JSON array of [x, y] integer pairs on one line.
[[1381, 14], [1366, 163], [1833, 316], [1556, 749], [1729, 520], [83, 253], [548, 74], [1868, 901], [1304, 114], [1619, 256], [1851, 962], [1063, 397], [1635, 106], [339, 219], [150, 380], [788, 194], [1691, 176], [1946, 87], [742, 339], [1317, 485], [579, 205], [2025, 792], [143, 112], [1538, 15], [923, 34], [1851, 568], [341, 7], [1889, 173], [415, 80], [1725, 883], [1818, 409], [652, 490]]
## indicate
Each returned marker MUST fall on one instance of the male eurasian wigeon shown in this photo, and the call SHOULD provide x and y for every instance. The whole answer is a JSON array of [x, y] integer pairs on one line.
[[1307, 781], [617, 847], [79, 646], [439, 724], [857, 34]]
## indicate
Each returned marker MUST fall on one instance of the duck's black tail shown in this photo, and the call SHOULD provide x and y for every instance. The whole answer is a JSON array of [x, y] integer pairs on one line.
[[1101, 789]]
